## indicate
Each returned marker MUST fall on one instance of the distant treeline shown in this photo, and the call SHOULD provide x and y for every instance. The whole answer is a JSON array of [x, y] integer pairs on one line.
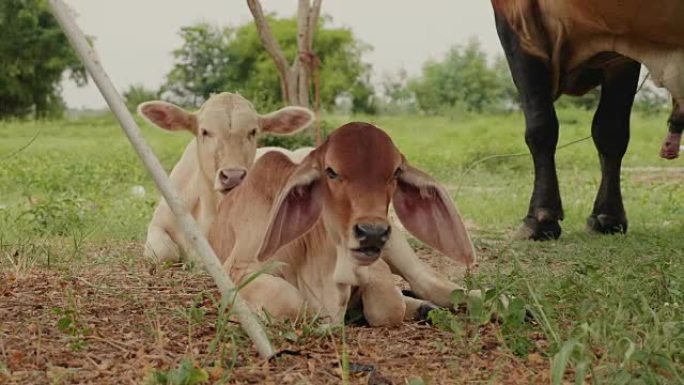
[[35, 58]]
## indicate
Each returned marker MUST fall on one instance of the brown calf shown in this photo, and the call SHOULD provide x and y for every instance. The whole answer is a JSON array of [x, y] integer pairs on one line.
[[326, 221]]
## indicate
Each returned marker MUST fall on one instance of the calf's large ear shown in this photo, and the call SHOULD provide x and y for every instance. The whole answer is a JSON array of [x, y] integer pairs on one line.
[[296, 209], [427, 212], [168, 116], [285, 121]]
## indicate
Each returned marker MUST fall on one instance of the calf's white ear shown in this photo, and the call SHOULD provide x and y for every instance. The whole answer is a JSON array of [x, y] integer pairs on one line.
[[285, 121], [427, 212], [296, 209], [168, 116]]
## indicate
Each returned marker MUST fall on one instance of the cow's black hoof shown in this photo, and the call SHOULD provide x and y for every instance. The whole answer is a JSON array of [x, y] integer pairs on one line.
[[535, 230], [607, 224], [423, 313]]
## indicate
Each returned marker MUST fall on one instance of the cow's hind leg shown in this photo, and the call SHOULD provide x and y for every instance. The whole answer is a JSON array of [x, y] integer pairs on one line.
[[160, 247], [418, 309], [275, 296], [610, 131], [532, 77]]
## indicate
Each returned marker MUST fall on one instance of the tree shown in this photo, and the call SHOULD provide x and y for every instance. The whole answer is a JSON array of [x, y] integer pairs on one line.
[[397, 95], [464, 79], [294, 78], [137, 94], [214, 59], [651, 99], [34, 55], [202, 64]]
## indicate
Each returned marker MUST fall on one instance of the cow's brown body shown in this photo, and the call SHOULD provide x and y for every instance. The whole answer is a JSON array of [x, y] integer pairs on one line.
[[559, 47]]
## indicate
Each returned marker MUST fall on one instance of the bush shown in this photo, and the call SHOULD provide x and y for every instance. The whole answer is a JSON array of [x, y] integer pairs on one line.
[[464, 80], [305, 138]]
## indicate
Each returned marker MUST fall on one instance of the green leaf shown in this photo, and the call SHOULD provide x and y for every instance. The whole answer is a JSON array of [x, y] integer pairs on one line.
[[64, 324], [416, 381], [580, 372], [476, 309], [631, 347], [457, 297], [562, 359]]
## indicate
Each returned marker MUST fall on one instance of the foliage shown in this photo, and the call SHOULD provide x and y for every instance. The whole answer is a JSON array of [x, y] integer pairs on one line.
[[588, 101], [397, 96], [652, 100], [136, 94], [649, 99], [185, 374], [215, 59], [292, 142], [202, 64], [465, 80], [34, 54]]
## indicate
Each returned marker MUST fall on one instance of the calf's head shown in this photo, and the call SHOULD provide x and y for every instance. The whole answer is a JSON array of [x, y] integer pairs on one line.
[[226, 128], [350, 181]]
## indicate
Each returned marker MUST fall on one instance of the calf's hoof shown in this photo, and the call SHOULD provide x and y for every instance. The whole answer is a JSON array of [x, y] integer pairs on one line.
[[423, 313], [536, 230], [607, 224]]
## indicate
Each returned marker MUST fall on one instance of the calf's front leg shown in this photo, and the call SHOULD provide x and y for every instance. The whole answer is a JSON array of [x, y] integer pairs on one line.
[[423, 280], [383, 303]]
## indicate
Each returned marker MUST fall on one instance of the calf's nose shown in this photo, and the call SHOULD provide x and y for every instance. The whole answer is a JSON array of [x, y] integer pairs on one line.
[[372, 233], [231, 177]]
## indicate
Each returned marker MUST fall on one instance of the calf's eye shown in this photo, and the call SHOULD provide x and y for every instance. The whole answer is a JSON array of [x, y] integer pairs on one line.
[[205, 133], [252, 134], [397, 173], [331, 173]]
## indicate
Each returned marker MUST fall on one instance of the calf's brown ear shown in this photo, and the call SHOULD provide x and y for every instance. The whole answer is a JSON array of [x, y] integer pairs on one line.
[[427, 212], [168, 116], [296, 209]]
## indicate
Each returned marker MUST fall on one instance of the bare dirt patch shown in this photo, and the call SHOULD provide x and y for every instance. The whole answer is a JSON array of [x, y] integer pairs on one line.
[[117, 324], [655, 174]]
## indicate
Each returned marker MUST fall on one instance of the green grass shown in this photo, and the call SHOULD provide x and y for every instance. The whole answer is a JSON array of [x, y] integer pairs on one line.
[[613, 306]]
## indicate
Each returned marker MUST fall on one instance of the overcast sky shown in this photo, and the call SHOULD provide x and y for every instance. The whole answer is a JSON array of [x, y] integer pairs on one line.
[[134, 38]]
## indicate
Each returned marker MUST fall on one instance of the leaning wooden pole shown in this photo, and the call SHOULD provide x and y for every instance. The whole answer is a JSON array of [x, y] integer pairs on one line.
[[200, 247]]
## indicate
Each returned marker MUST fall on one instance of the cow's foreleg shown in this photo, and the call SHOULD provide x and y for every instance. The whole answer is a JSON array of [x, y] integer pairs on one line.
[[383, 303], [610, 131], [532, 77], [423, 280]]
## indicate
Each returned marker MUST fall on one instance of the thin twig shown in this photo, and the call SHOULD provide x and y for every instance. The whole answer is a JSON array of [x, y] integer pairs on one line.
[[116, 345], [514, 155], [22, 148]]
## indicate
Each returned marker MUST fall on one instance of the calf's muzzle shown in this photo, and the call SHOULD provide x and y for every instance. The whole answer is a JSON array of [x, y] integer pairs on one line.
[[372, 238], [229, 178]]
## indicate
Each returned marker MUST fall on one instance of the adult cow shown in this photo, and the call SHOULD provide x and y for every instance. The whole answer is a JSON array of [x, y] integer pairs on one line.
[[559, 47]]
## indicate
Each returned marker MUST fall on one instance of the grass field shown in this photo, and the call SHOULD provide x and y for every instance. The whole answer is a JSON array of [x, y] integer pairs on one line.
[[78, 303]]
